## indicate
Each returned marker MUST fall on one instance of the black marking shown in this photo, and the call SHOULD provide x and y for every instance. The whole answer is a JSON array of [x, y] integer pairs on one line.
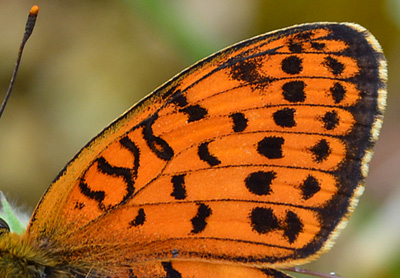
[[259, 183], [127, 175], [106, 168], [195, 112], [304, 35], [274, 273], [310, 187], [170, 271], [239, 122], [320, 151], [139, 219], [131, 146], [206, 156], [156, 144], [246, 71], [330, 120], [292, 65], [171, 91], [98, 196], [271, 147], [338, 92], [292, 226], [295, 47], [293, 91], [334, 65], [318, 45], [180, 100], [199, 222], [178, 183], [79, 205], [263, 220], [284, 117]]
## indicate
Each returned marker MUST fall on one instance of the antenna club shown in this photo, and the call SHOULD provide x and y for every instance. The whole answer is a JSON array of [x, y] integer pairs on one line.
[[30, 24], [34, 10]]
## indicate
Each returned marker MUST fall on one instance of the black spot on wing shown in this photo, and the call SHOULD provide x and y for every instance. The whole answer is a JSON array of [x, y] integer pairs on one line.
[[334, 65], [170, 271], [292, 226], [304, 35], [284, 117], [318, 45], [292, 65], [239, 122], [263, 220], [139, 219], [180, 100], [199, 222], [179, 190], [259, 183], [320, 151], [330, 120], [271, 147], [206, 156], [293, 91], [156, 144], [338, 92], [246, 70], [295, 47], [194, 112], [309, 187], [79, 205], [98, 196], [249, 72]]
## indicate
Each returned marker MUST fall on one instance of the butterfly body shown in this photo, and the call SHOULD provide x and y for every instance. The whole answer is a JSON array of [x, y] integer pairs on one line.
[[249, 161], [20, 259]]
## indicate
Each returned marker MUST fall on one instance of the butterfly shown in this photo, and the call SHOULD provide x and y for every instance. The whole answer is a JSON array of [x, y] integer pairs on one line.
[[245, 163]]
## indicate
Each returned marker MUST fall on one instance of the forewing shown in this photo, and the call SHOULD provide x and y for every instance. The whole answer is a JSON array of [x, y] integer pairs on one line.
[[255, 155]]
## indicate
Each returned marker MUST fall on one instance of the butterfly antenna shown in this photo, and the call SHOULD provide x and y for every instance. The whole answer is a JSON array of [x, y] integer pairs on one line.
[[30, 24]]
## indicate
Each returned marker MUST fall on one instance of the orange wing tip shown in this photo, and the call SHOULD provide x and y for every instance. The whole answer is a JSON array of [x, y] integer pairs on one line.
[[34, 10]]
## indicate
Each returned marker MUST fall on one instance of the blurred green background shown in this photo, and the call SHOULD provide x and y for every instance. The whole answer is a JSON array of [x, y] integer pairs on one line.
[[88, 61]]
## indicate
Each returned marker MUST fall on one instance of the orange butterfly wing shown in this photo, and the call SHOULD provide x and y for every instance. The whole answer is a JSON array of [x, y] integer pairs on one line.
[[254, 156]]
